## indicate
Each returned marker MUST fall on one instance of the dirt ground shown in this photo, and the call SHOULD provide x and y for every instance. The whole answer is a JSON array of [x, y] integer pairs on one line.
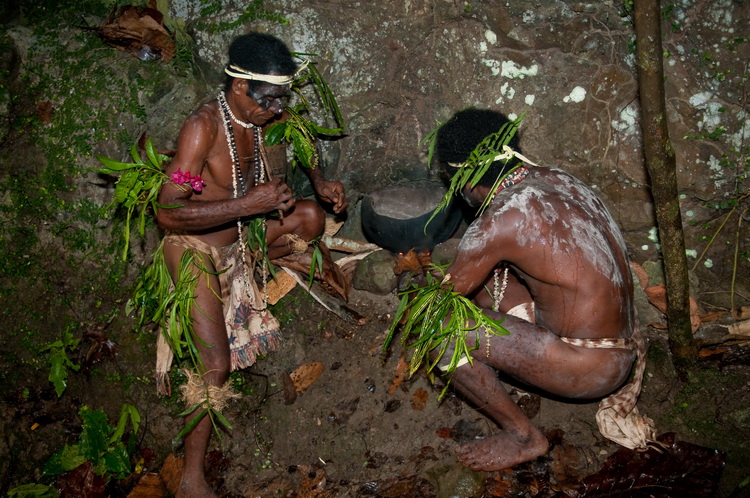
[[361, 432], [362, 429]]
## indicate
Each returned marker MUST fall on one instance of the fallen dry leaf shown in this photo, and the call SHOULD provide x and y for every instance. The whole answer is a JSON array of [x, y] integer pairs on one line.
[[401, 373], [657, 296], [331, 279], [313, 482], [407, 262], [279, 286], [713, 316], [419, 399], [740, 328], [499, 484], [306, 374], [171, 473], [676, 468], [703, 353], [425, 258], [82, 481], [640, 273], [444, 432], [332, 226], [149, 486], [140, 31], [567, 463], [743, 313]]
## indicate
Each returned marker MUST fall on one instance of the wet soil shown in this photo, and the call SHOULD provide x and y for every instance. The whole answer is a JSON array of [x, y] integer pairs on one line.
[[362, 428]]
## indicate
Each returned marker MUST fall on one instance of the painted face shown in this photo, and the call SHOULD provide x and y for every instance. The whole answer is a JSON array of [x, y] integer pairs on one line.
[[271, 97]]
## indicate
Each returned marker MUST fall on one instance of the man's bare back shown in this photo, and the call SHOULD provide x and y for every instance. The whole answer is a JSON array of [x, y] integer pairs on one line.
[[561, 242]]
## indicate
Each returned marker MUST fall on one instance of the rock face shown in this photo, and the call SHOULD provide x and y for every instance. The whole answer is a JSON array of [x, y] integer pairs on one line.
[[375, 273], [401, 67]]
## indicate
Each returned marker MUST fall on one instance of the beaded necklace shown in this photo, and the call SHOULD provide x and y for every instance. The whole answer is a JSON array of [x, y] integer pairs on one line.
[[499, 291], [497, 296], [240, 188], [516, 176], [234, 118]]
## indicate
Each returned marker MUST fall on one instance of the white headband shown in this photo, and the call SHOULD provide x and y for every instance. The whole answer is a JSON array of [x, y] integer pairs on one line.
[[274, 79], [508, 153]]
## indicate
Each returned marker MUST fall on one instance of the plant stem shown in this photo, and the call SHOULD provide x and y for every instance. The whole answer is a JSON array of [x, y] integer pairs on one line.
[[713, 238]]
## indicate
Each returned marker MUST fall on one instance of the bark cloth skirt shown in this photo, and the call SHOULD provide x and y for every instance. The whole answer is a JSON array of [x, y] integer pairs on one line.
[[251, 330]]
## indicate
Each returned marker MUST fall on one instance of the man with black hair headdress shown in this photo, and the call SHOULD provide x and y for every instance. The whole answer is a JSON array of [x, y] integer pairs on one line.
[[221, 145], [545, 256]]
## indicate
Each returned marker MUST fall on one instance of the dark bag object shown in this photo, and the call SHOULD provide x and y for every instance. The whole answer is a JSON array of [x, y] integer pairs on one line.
[[394, 216]]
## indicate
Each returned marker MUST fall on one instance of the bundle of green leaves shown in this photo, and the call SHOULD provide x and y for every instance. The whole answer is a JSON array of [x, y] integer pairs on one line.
[[441, 319], [300, 131], [138, 186]]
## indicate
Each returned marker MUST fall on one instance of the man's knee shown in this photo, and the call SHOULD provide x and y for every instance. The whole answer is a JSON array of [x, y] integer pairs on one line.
[[311, 218], [217, 363]]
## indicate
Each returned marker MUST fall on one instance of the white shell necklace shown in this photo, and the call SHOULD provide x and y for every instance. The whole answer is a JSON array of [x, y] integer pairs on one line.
[[239, 186], [497, 296], [231, 114]]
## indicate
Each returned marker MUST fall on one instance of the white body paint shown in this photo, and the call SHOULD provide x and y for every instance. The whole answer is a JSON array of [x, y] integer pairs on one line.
[[584, 217]]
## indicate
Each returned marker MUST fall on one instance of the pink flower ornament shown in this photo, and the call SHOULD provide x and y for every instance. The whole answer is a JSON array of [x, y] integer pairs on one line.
[[180, 178], [197, 183]]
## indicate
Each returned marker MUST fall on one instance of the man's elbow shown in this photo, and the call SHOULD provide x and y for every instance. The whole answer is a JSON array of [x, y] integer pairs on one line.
[[165, 220]]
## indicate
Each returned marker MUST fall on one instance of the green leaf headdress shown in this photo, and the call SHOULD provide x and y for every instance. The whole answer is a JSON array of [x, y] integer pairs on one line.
[[300, 131], [494, 147]]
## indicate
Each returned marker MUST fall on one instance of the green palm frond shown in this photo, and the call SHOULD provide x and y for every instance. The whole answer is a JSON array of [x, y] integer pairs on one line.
[[137, 188], [298, 129], [440, 318]]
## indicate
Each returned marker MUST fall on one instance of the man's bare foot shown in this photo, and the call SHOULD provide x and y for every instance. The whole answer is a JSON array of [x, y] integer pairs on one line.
[[502, 451], [197, 489]]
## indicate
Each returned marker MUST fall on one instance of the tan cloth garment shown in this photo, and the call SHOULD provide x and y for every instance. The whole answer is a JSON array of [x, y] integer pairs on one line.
[[251, 331], [617, 417]]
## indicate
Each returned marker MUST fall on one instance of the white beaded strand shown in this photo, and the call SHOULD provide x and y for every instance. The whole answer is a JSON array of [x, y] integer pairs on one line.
[[499, 291], [260, 177], [497, 296], [234, 118], [238, 186]]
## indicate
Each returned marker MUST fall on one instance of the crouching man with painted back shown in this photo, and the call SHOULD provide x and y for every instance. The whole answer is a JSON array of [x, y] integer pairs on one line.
[[547, 256]]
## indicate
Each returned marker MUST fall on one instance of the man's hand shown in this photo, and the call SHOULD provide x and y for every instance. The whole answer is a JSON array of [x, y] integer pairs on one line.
[[271, 196], [332, 192]]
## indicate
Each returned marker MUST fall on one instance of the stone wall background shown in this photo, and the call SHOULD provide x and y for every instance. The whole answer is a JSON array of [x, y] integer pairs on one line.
[[399, 67]]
